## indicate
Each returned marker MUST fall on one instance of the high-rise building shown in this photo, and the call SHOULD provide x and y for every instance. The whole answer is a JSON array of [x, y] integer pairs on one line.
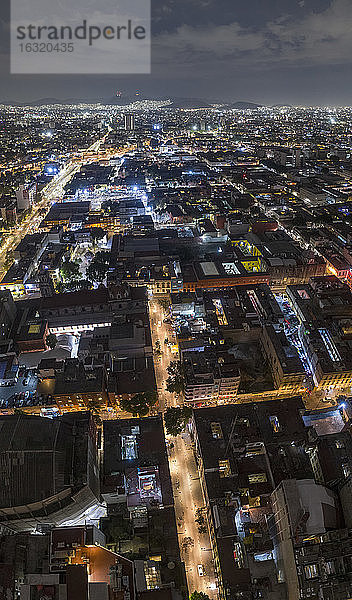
[[8, 211], [313, 554], [129, 122], [25, 196]]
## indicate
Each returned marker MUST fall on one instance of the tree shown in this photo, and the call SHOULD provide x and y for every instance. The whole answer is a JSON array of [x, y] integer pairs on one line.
[[117, 527], [97, 233], [84, 284], [103, 256], [59, 287], [176, 419], [99, 267], [96, 272], [140, 404], [199, 517], [199, 596], [164, 303], [51, 341], [94, 407], [175, 383], [69, 271], [174, 368], [187, 542]]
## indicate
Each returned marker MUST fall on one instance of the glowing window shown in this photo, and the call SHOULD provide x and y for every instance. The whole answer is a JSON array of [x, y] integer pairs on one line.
[[311, 571], [34, 328], [346, 470], [224, 468], [257, 478]]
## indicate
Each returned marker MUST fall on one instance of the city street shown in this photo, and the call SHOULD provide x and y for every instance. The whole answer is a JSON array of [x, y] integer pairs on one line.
[[161, 331], [186, 485], [188, 498]]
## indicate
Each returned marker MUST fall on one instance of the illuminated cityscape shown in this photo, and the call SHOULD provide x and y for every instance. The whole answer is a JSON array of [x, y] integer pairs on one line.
[[176, 351]]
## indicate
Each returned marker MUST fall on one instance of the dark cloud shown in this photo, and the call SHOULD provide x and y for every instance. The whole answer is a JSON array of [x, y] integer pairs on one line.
[[269, 51], [322, 38]]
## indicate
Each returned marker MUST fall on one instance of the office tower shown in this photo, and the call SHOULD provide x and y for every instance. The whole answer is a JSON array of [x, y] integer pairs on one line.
[[129, 122]]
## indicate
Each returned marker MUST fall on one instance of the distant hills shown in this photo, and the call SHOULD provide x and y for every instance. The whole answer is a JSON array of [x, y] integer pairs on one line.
[[183, 103], [196, 103]]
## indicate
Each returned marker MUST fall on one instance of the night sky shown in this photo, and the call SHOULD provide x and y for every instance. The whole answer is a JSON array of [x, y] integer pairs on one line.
[[266, 51]]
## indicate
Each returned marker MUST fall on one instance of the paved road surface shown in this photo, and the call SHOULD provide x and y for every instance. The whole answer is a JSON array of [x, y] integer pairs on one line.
[[184, 474]]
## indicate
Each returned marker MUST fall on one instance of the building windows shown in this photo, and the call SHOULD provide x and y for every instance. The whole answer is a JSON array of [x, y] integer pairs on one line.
[[314, 461], [254, 449], [257, 478], [330, 567], [339, 444], [152, 576], [224, 468], [311, 571], [244, 421], [347, 564], [280, 576], [128, 447], [216, 431]]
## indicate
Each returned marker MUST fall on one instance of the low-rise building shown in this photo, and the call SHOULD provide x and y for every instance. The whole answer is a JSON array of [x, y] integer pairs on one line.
[[49, 469], [324, 307], [286, 366], [136, 485], [77, 385], [211, 377], [278, 255], [8, 313]]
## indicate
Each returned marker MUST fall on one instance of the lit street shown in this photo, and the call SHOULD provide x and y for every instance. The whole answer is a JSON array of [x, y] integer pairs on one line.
[[186, 485], [160, 332], [188, 497]]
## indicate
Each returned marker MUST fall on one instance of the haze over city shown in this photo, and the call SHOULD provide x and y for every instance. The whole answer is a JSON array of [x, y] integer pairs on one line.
[[290, 52]]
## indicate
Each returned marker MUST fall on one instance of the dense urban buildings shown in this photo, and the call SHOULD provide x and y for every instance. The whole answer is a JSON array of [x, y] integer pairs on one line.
[[175, 352]]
